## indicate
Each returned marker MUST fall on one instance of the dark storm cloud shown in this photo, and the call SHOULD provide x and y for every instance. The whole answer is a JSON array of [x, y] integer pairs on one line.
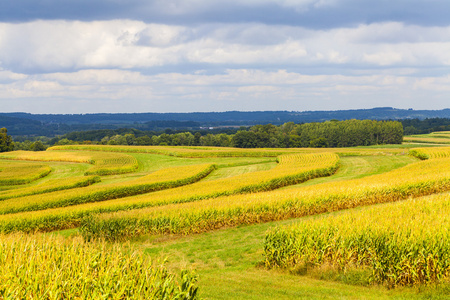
[[305, 13]]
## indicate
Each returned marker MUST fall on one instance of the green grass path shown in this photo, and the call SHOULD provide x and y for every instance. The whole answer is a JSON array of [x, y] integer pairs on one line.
[[228, 260]]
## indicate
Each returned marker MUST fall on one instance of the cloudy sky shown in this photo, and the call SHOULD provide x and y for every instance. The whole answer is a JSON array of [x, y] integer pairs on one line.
[[87, 56]]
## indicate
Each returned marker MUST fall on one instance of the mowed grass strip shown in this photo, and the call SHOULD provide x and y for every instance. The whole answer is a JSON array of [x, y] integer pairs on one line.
[[50, 186], [51, 267], [403, 243], [291, 171], [103, 163], [159, 180], [13, 173], [414, 180]]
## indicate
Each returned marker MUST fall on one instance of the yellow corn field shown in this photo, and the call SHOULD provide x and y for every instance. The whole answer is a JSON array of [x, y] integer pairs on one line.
[[402, 243], [50, 186], [159, 180], [414, 180], [49, 267], [204, 152], [392, 239], [291, 170], [13, 173], [427, 153], [103, 163]]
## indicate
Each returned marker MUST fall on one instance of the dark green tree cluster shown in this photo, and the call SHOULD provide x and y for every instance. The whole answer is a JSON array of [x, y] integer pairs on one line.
[[417, 126], [165, 139], [348, 133], [30, 146], [6, 142]]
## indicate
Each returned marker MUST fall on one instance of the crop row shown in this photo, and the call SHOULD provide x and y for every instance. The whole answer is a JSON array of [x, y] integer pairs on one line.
[[159, 180], [19, 173], [429, 153], [305, 167], [203, 152], [50, 186], [427, 139], [197, 152], [414, 180], [401, 243], [113, 164], [105, 163], [49, 267]]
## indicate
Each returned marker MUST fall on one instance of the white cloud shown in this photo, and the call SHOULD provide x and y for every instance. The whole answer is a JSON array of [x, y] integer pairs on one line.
[[125, 65], [44, 46], [236, 89]]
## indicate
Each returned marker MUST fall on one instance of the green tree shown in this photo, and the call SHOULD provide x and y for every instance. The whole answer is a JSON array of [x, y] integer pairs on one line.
[[37, 146], [244, 139], [6, 142]]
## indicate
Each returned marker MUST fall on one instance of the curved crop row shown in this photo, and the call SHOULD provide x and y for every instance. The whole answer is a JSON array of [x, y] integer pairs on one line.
[[414, 180], [402, 243], [429, 153], [306, 166], [50, 267], [159, 180], [106, 163], [50, 186], [19, 173]]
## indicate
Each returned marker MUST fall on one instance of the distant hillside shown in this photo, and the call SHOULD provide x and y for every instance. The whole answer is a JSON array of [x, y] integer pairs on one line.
[[58, 124]]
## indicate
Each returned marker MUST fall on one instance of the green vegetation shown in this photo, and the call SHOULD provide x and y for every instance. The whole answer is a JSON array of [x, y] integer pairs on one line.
[[43, 267], [16, 173], [159, 180], [103, 164], [226, 223], [403, 243], [50, 186], [334, 133], [6, 143]]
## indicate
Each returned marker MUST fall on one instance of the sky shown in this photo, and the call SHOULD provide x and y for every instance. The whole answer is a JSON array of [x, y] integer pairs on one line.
[[128, 56]]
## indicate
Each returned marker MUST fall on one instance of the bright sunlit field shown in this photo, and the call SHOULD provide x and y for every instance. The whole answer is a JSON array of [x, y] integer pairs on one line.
[[149, 222]]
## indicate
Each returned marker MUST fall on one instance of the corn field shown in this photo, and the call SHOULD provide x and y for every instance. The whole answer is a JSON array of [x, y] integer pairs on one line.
[[392, 238], [295, 170], [13, 173], [103, 163], [404, 243], [50, 267]]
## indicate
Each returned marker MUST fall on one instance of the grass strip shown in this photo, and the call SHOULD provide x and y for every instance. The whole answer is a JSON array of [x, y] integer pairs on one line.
[[305, 167], [18, 173], [50, 186], [415, 180], [159, 180], [404, 243]]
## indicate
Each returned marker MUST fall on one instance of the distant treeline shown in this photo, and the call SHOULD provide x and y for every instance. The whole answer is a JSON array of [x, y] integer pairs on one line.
[[51, 125], [333, 133], [416, 126]]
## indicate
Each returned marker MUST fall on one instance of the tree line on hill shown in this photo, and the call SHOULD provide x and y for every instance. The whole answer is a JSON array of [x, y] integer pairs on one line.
[[333, 133], [50, 125], [417, 126]]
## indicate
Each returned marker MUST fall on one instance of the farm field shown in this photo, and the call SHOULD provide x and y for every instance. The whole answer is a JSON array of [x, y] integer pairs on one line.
[[440, 137], [224, 223]]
